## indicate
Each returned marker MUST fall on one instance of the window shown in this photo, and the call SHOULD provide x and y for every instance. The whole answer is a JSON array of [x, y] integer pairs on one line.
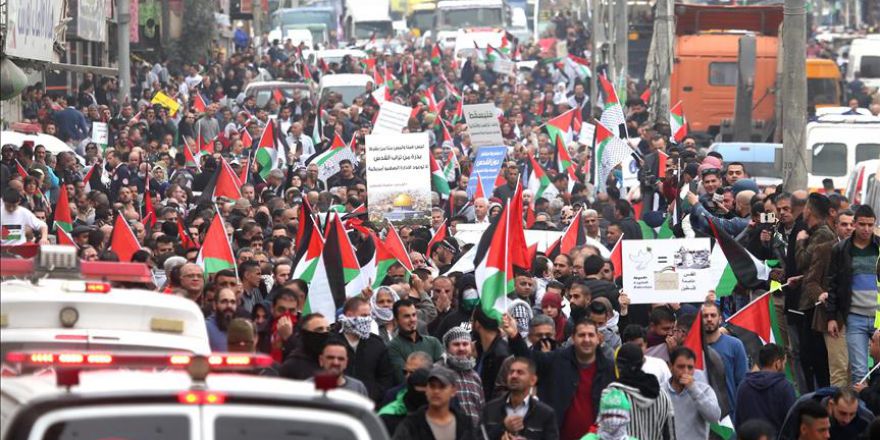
[[867, 152], [241, 428], [870, 66], [148, 427], [722, 74], [822, 91], [829, 159]]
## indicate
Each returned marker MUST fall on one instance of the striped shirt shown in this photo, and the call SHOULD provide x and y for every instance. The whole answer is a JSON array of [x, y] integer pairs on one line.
[[650, 419]]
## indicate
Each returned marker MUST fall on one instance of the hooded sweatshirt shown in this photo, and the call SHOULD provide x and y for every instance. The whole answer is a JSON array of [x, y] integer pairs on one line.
[[652, 411], [764, 395]]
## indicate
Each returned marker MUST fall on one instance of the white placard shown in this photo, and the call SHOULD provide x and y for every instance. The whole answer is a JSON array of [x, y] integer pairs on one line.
[[91, 23], [30, 28], [472, 232], [100, 133], [668, 270], [502, 66], [398, 177], [483, 125], [392, 118]]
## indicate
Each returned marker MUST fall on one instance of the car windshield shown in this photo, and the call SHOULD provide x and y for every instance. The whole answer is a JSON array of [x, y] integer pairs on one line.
[[349, 93], [366, 29], [829, 159], [822, 91], [299, 16], [759, 161], [870, 66], [141, 427], [422, 20], [476, 17]]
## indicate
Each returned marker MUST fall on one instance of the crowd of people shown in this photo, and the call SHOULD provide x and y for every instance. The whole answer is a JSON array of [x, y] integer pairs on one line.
[[573, 357]]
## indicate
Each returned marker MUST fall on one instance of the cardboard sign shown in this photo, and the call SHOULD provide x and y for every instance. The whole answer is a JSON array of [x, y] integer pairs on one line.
[[483, 125]]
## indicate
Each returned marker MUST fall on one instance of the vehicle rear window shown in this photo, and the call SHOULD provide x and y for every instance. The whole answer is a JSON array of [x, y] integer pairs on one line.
[[242, 428], [722, 74], [822, 91], [870, 66], [829, 159], [149, 427], [867, 152]]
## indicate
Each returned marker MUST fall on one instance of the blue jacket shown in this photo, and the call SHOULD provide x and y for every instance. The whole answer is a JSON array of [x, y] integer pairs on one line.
[[732, 226], [764, 395], [559, 374], [71, 124], [216, 337]]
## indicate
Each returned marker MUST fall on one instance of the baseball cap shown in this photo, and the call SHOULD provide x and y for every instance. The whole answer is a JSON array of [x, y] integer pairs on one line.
[[443, 374]]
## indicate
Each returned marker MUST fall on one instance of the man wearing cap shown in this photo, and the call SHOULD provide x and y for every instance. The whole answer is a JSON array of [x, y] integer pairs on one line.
[[469, 386], [491, 350], [437, 420]]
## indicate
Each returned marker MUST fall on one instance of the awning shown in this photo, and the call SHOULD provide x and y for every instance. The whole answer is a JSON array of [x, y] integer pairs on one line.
[[80, 68]]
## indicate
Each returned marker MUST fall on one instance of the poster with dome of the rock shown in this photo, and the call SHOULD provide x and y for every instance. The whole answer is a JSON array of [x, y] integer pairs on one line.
[[398, 178]]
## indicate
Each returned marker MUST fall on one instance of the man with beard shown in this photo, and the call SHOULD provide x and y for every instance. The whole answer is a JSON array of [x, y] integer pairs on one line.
[[491, 349], [469, 387], [731, 350], [438, 419], [334, 360], [368, 359], [302, 363], [517, 413], [408, 339], [218, 322]]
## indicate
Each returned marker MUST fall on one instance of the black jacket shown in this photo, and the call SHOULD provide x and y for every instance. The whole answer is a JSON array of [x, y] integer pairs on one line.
[[630, 229], [839, 278], [371, 365], [604, 289], [559, 374], [415, 426], [539, 422], [490, 363], [299, 365]]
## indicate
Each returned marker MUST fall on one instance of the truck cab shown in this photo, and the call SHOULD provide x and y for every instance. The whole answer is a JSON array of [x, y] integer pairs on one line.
[[453, 15]]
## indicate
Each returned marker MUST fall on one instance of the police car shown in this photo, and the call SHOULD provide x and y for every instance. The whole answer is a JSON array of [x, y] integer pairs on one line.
[[55, 302], [201, 397]]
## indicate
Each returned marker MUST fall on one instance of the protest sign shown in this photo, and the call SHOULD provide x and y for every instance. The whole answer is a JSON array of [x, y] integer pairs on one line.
[[398, 177], [392, 118], [663, 271], [100, 134], [630, 171], [585, 136], [166, 101], [487, 164], [483, 125], [502, 66]]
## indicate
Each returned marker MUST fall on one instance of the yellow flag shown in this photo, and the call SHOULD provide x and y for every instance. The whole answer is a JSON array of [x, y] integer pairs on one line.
[[166, 101]]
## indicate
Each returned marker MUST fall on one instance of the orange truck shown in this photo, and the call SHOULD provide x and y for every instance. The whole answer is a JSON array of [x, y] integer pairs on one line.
[[705, 67]]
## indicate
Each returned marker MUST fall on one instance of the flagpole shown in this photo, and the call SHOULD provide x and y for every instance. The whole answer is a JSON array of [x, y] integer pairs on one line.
[[869, 373], [756, 300]]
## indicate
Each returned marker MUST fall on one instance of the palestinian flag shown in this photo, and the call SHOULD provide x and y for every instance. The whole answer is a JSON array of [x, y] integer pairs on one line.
[[65, 239], [563, 159], [340, 261], [447, 137], [149, 210], [617, 258], [494, 268], [123, 241], [267, 153], [185, 240], [539, 182], [439, 236], [516, 236], [451, 168], [581, 66], [394, 245], [478, 193], [328, 161], [665, 230], [63, 216], [694, 341], [663, 159], [759, 317], [198, 103], [646, 96], [245, 172], [204, 145], [382, 261], [612, 114], [190, 160], [216, 253], [601, 161], [246, 139], [560, 126], [458, 116], [317, 137], [308, 251], [530, 216], [306, 229], [748, 270], [573, 236], [306, 72], [677, 123], [438, 178], [87, 180], [224, 183], [493, 54]]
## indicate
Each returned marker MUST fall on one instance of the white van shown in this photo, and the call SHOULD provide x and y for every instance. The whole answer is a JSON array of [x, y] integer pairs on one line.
[[864, 58], [84, 401], [836, 143], [862, 180], [348, 85]]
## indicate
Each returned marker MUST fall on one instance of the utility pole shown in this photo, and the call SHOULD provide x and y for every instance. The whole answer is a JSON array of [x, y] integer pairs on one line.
[[595, 24], [794, 92], [621, 41], [745, 86], [660, 57], [258, 19], [123, 17]]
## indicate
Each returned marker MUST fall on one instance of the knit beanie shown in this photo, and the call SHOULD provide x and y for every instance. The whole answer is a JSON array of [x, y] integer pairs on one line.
[[456, 333]]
